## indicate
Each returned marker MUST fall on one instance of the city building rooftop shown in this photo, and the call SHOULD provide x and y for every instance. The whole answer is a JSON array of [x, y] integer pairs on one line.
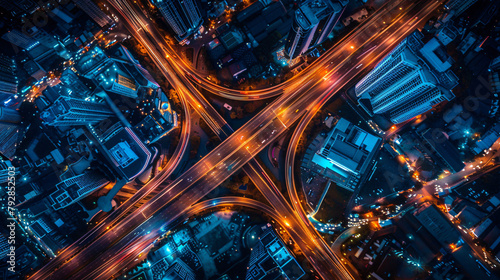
[[128, 155], [77, 187], [347, 150]]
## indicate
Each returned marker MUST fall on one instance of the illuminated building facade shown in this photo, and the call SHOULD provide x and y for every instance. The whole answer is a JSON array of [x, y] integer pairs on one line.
[[313, 22], [19, 39], [9, 131], [115, 79], [5, 166], [409, 81], [73, 85], [4, 245], [75, 188], [346, 153], [118, 73], [67, 111], [183, 17], [8, 77], [270, 259]]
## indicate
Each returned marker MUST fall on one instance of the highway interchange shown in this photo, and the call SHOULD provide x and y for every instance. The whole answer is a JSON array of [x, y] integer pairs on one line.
[[100, 254]]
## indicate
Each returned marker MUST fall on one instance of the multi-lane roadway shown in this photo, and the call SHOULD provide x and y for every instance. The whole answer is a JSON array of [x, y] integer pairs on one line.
[[245, 143], [72, 250]]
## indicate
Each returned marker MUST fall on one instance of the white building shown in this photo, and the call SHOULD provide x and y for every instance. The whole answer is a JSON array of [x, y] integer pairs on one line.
[[409, 80], [8, 77], [93, 11], [313, 22], [183, 17], [68, 111], [346, 153]]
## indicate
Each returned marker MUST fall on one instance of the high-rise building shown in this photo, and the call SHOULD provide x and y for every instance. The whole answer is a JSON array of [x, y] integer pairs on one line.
[[9, 136], [67, 111], [116, 79], [75, 188], [119, 73], [19, 39], [30, 38], [409, 80], [6, 170], [346, 154], [9, 131], [93, 11], [9, 115], [43, 37], [8, 77], [313, 22], [183, 16], [327, 24], [141, 76]]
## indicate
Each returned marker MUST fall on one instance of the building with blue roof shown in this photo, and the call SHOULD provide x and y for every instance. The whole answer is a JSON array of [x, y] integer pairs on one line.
[[346, 153], [127, 155]]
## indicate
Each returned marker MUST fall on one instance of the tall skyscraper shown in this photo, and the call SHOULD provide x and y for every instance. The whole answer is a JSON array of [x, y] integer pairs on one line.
[[127, 155], [93, 11], [327, 24], [8, 77], [19, 39], [409, 80], [30, 38], [68, 111], [494, 79], [183, 16], [119, 73], [313, 22], [75, 188], [346, 154], [116, 79], [9, 131]]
